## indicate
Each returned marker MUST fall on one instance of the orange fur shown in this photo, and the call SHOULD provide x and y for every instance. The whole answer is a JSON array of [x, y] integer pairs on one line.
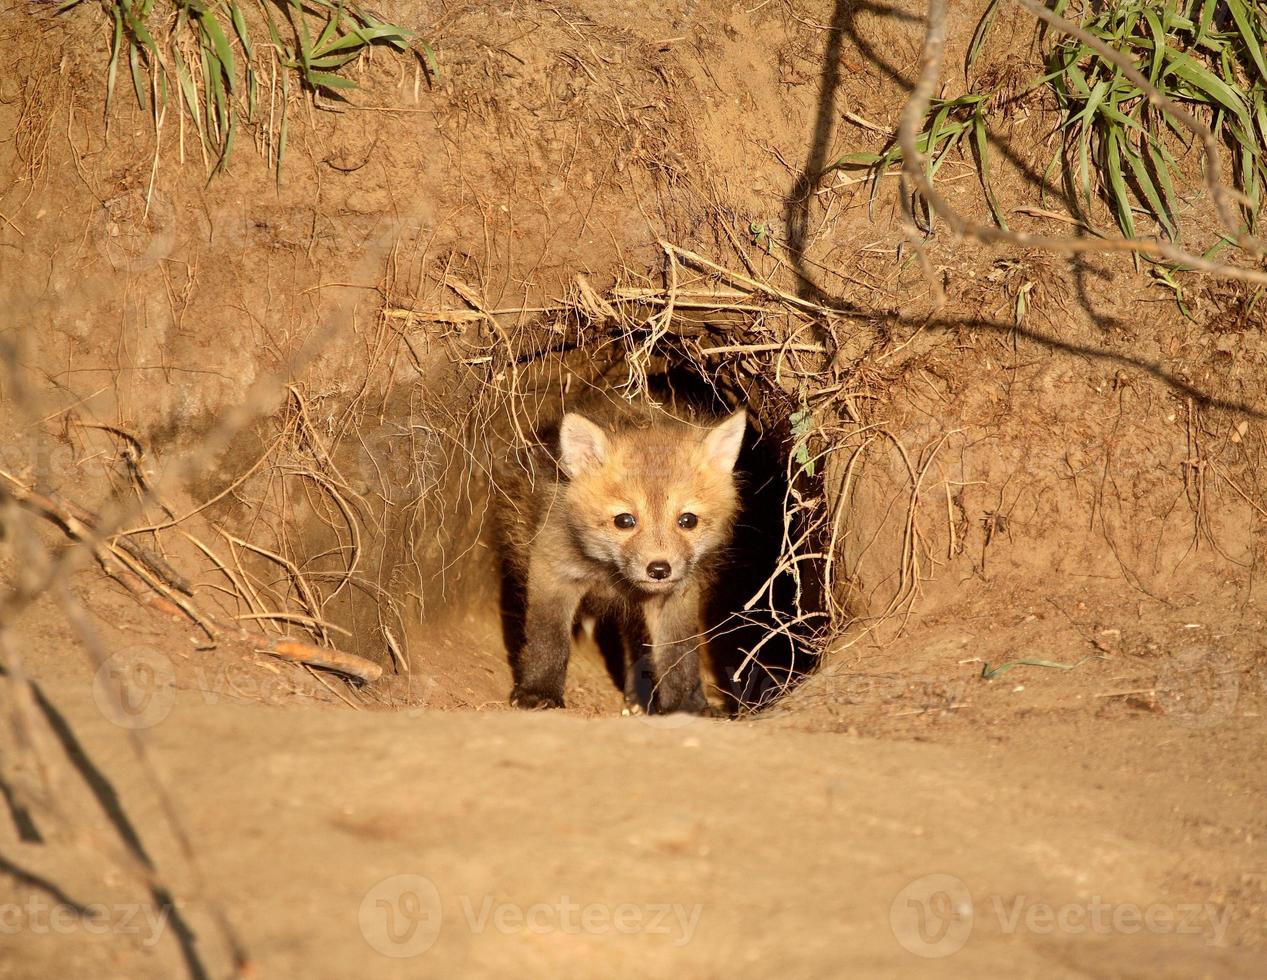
[[622, 515]]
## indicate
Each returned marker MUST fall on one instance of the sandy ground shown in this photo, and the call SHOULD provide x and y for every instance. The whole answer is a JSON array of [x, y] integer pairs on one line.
[[875, 827]]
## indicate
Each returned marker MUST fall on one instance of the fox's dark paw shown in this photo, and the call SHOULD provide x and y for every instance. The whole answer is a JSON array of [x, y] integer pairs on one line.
[[534, 700]]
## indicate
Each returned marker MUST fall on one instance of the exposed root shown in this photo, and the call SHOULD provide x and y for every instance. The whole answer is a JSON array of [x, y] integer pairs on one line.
[[152, 591]]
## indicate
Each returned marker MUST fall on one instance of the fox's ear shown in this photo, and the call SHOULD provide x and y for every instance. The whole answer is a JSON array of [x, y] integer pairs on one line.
[[721, 445], [582, 444]]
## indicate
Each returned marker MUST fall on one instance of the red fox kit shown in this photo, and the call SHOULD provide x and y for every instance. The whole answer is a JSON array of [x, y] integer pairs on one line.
[[622, 519]]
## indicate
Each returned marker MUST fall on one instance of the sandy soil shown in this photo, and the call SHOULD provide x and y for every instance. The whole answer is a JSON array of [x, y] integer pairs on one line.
[[901, 817]]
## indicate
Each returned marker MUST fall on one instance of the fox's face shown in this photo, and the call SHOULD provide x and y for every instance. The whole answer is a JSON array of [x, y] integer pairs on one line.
[[650, 502]]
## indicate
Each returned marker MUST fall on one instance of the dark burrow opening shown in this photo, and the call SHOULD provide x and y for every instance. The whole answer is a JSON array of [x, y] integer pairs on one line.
[[765, 599]]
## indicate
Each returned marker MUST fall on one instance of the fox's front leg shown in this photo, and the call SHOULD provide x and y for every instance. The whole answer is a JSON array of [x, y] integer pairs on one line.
[[675, 629], [640, 675], [543, 662]]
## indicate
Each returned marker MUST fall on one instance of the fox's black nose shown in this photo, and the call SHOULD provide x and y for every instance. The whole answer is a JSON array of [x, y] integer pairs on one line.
[[659, 570]]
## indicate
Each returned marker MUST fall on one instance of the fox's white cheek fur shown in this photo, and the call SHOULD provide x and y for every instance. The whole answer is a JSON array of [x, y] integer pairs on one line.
[[611, 550]]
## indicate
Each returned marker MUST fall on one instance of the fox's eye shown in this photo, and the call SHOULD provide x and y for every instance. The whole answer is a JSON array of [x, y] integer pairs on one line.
[[625, 521], [687, 521]]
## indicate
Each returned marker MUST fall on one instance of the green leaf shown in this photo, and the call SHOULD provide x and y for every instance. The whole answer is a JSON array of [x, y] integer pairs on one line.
[[1216, 248], [225, 152], [319, 79], [273, 33], [138, 83], [934, 135], [361, 37], [989, 673], [1162, 168], [429, 58], [980, 140], [1260, 113], [334, 60], [112, 69], [948, 138], [1051, 165], [1164, 276], [977, 44], [856, 160], [1159, 43], [1074, 74], [1241, 17], [136, 27], [207, 98], [1086, 117], [1117, 184], [802, 425], [224, 53], [221, 104], [185, 82], [1205, 19], [1123, 120], [1248, 176], [327, 32], [1084, 163], [1145, 181], [1205, 81], [244, 37], [239, 28]]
